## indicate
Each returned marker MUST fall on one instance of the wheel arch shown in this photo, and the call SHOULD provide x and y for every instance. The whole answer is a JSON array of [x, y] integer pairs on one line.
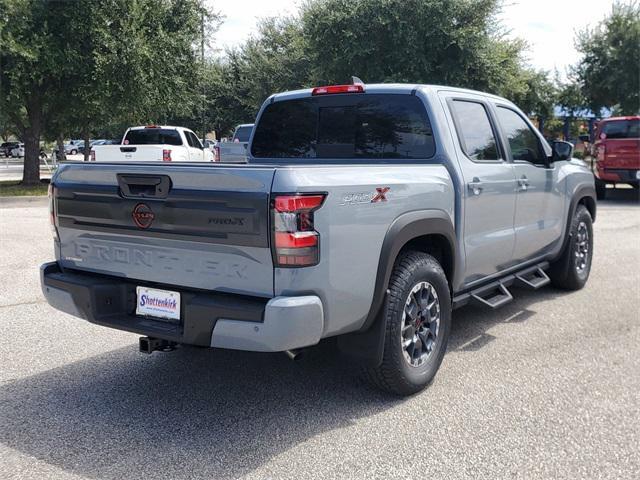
[[589, 202], [583, 195], [430, 231]]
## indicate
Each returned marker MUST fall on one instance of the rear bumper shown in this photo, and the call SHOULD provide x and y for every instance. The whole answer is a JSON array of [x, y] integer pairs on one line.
[[207, 319], [618, 175]]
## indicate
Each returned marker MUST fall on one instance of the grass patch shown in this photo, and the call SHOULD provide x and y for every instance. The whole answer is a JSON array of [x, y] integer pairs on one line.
[[14, 188]]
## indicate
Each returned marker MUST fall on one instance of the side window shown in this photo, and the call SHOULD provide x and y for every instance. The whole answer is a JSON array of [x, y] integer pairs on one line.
[[192, 140], [474, 129], [524, 144]]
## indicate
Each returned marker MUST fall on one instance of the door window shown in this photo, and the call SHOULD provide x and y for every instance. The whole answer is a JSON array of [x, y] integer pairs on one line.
[[193, 140], [524, 144], [474, 129]]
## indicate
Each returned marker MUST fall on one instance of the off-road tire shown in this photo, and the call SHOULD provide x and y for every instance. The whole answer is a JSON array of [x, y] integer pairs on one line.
[[564, 272], [395, 375]]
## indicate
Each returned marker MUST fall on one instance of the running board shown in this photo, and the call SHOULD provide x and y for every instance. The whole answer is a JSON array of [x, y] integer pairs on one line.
[[493, 296], [533, 278]]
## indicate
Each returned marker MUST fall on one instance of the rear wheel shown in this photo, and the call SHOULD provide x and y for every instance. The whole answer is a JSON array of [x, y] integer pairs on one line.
[[571, 270], [601, 190], [417, 316], [73, 152]]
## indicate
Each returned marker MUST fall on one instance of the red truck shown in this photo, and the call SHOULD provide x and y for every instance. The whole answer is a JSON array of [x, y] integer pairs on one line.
[[617, 151]]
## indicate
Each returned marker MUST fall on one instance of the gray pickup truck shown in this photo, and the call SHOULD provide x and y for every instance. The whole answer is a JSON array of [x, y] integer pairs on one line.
[[366, 213]]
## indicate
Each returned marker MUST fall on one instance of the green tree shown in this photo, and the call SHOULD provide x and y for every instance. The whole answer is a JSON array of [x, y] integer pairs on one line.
[[608, 72], [457, 42], [30, 50], [421, 41], [571, 99], [271, 61], [539, 96], [77, 66], [6, 126]]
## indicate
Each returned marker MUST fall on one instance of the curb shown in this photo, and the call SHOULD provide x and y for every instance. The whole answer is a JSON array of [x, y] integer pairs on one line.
[[24, 201]]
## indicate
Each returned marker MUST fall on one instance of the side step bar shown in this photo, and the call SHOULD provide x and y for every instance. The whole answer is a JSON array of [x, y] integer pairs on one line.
[[493, 296], [496, 294], [534, 278]]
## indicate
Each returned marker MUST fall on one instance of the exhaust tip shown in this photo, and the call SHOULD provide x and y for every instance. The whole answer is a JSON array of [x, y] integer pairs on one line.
[[293, 354]]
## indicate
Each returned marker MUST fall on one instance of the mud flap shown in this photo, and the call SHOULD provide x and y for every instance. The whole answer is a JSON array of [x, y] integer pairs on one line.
[[366, 348]]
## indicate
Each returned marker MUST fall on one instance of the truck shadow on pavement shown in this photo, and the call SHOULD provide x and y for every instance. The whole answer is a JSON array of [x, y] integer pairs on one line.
[[199, 412], [471, 323], [190, 413]]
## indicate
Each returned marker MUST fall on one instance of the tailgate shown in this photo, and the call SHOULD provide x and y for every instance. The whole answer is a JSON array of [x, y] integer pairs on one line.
[[623, 153], [233, 152], [138, 153], [183, 225]]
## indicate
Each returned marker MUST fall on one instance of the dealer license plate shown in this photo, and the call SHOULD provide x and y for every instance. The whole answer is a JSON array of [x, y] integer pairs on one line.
[[158, 303]]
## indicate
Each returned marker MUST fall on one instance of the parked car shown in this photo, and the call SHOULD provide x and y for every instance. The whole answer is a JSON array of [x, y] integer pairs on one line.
[[154, 143], [95, 143], [71, 148], [18, 151], [235, 151], [617, 152], [6, 147], [366, 213]]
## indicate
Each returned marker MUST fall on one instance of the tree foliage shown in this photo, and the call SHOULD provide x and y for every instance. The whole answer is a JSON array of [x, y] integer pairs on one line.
[[92, 67], [271, 61], [73, 67], [539, 95], [608, 73], [454, 42]]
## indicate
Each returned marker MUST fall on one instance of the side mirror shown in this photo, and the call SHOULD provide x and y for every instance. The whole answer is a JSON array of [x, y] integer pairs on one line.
[[561, 151]]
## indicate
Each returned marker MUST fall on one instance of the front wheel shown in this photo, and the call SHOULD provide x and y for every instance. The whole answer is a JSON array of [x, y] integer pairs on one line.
[[571, 271], [417, 317]]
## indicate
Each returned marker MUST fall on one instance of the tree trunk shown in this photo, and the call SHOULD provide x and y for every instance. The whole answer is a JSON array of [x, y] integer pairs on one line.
[[87, 147], [31, 169], [61, 156]]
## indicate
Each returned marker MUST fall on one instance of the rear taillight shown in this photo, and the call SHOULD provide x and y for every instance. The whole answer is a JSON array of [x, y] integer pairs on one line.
[[295, 241], [166, 155], [52, 211], [602, 152], [93, 155], [216, 154], [333, 89]]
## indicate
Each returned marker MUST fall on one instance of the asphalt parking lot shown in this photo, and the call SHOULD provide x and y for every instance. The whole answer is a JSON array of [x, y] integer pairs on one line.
[[546, 387]]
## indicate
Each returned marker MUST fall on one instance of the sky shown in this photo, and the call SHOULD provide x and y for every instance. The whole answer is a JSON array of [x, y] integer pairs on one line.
[[547, 25]]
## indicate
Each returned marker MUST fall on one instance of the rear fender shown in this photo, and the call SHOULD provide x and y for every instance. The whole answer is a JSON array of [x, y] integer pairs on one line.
[[367, 344]]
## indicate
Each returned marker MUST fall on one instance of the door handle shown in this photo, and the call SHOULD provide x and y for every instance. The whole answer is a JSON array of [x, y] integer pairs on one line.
[[523, 182], [475, 186]]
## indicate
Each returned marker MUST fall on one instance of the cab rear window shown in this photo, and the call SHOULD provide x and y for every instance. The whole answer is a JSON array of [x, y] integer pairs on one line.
[[153, 136], [621, 129], [242, 134], [347, 126]]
